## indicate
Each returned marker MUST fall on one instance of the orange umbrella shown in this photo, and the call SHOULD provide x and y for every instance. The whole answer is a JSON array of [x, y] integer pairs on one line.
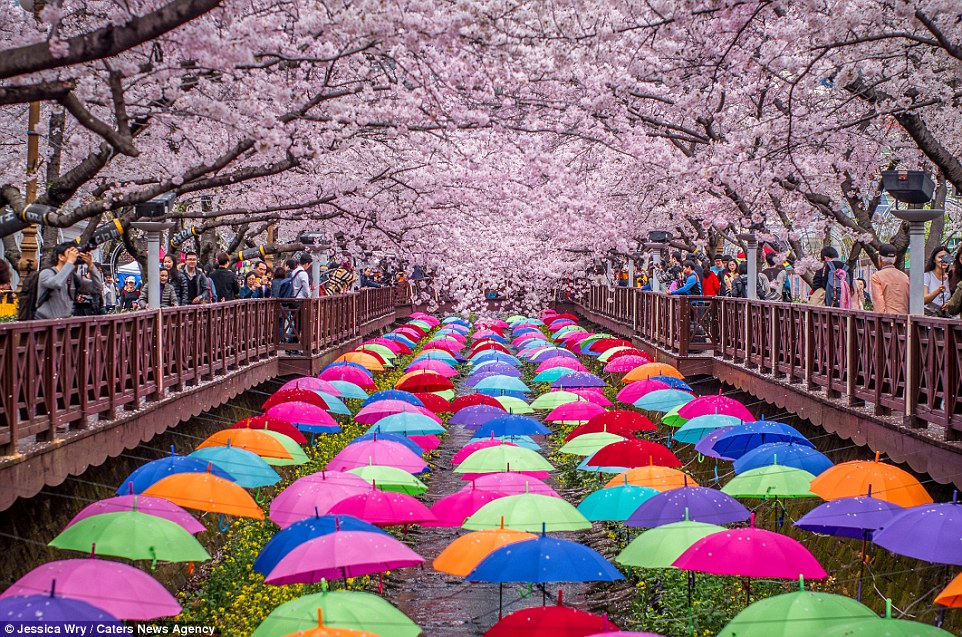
[[329, 631], [206, 492], [463, 554], [661, 478], [861, 477], [951, 595], [253, 440], [368, 360], [644, 372]]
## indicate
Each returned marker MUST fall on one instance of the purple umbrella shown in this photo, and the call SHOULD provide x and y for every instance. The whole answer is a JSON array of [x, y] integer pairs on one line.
[[497, 367], [145, 504], [121, 590], [855, 518], [578, 379], [551, 352], [475, 416], [699, 504], [706, 444], [51, 608], [930, 532], [314, 495]]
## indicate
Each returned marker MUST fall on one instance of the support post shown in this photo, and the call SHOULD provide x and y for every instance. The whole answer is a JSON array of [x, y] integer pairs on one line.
[[315, 278], [29, 260], [153, 230], [917, 267]]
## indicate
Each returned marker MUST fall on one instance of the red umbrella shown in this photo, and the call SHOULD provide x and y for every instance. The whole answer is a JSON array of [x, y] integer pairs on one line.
[[470, 400], [424, 381], [486, 345], [272, 424], [629, 352], [566, 315], [618, 422], [550, 621], [349, 374], [633, 453], [607, 343], [435, 403], [294, 395]]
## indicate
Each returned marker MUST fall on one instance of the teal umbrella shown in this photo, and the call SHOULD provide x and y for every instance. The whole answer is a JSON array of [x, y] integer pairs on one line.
[[663, 400], [407, 424], [334, 404], [615, 504], [700, 426], [349, 390], [246, 467], [502, 383], [552, 374]]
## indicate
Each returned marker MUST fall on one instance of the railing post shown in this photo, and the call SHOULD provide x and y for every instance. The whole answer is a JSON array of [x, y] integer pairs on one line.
[[809, 350], [913, 372], [773, 335], [9, 383], [747, 332], [159, 354], [851, 364], [684, 326]]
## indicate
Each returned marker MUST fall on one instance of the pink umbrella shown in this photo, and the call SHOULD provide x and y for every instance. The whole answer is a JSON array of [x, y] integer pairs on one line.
[[314, 495], [380, 452], [625, 633], [561, 361], [350, 374], [471, 447], [750, 552], [121, 590], [717, 404], [409, 332], [624, 364], [394, 346], [513, 484], [435, 366], [428, 443], [433, 321], [300, 413], [313, 384], [447, 344], [384, 508], [382, 408], [574, 412], [592, 394], [452, 510], [340, 555], [144, 504], [633, 391], [538, 475]]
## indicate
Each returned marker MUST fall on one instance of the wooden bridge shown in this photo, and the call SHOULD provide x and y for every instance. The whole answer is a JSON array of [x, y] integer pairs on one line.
[[890, 382]]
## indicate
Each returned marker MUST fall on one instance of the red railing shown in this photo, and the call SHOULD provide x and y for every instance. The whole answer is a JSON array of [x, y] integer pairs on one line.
[[900, 366], [74, 372]]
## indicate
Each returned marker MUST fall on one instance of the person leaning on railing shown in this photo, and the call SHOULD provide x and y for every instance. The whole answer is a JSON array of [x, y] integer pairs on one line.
[[890, 286]]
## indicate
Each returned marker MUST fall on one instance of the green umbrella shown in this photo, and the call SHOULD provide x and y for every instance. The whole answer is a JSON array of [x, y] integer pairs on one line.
[[661, 546], [672, 419], [340, 609], [569, 328], [390, 479], [514, 318], [447, 394], [133, 535], [608, 353], [424, 325], [502, 458], [554, 399], [297, 454], [381, 350], [885, 627], [514, 405], [552, 374], [800, 614], [588, 444], [615, 504], [769, 482], [528, 512]]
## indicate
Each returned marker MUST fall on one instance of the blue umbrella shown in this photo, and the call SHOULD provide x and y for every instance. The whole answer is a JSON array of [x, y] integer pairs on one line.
[[369, 373], [674, 383], [542, 560], [494, 355], [436, 355], [476, 415], [286, 540], [404, 440], [738, 441], [700, 426], [521, 441], [349, 389], [247, 468], [393, 394], [145, 475], [474, 379], [456, 319], [552, 374], [495, 338], [699, 504], [400, 338], [787, 454], [663, 400], [334, 404], [501, 392], [38, 609], [705, 446], [511, 425]]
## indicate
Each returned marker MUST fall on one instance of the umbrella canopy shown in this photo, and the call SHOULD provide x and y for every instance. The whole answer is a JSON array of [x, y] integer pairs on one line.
[[786, 454], [849, 517], [772, 481], [329, 631], [514, 405], [390, 479], [452, 510], [951, 595], [633, 391], [624, 364], [120, 590], [407, 424], [369, 360], [717, 404], [554, 399], [751, 552], [587, 444], [247, 468], [565, 362], [272, 424], [145, 504], [313, 495], [800, 614], [663, 400], [661, 478], [634, 453], [528, 512], [437, 404], [382, 452], [513, 484], [615, 503], [349, 374], [133, 535], [471, 400], [574, 412], [503, 458], [401, 440], [257, 442], [592, 395], [502, 383], [545, 559], [931, 532], [393, 394], [340, 555], [578, 379], [739, 440], [384, 508], [886, 626], [461, 556], [860, 477], [496, 367], [689, 503], [343, 609], [311, 383], [206, 492], [471, 447], [645, 372], [475, 416], [511, 425], [52, 608], [553, 374], [148, 474], [294, 395], [285, 540], [384, 408], [694, 430], [297, 454], [305, 417], [660, 546], [706, 446], [550, 621], [618, 421], [349, 390], [423, 380]]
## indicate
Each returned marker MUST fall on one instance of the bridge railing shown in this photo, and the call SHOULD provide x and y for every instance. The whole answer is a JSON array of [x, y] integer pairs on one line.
[[899, 365], [74, 372]]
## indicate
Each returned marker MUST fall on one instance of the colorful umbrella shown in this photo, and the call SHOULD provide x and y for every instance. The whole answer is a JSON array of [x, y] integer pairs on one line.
[[574, 413], [739, 440], [382, 452], [706, 446], [514, 405], [145, 504], [393, 394], [305, 417], [501, 383], [294, 395], [407, 424], [384, 408], [849, 517], [550, 621], [931, 532], [259, 442], [528, 512], [660, 546], [436, 403], [503, 458], [329, 631], [461, 556], [860, 477], [285, 540], [645, 372], [694, 430], [886, 626], [369, 360], [423, 381], [247, 468], [554, 399], [689, 503], [511, 425], [349, 374], [349, 390], [42, 610], [663, 400], [615, 503], [578, 379], [786, 454], [715, 404], [542, 560], [592, 395], [553, 374], [343, 609], [800, 614], [513, 484], [475, 416], [654, 476], [471, 400], [633, 391], [311, 383], [471, 447], [634, 453], [402, 440], [587, 444], [384, 508], [624, 364], [206, 492], [951, 595], [147, 474], [772, 481], [618, 421], [390, 479], [452, 510], [556, 362], [314, 494], [272, 424]]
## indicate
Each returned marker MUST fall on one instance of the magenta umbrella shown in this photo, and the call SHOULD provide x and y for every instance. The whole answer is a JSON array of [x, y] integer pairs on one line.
[[471, 447], [574, 412], [121, 590], [624, 364], [314, 495], [538, 475], [340, 555], [384, 508], [452, 510], [626, 633], [144, 504], [429, 442], [717, 404], [349, 374], [378, 452], [447, 344], [513, 484], [591, 395], [561, 361], [313, 384], [300, 413], [436, 366], [633, 391], [394, 346], [383, 408]]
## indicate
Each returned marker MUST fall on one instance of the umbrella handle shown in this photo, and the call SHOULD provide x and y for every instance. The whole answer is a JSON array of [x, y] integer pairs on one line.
[[526, 591], [259, 497], [222, 523]]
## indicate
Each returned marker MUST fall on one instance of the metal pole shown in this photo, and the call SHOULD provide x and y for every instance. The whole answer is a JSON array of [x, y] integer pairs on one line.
[[656, 260], [916, 269], [752, 268], [631, 272], [315, 276], [153, 269]]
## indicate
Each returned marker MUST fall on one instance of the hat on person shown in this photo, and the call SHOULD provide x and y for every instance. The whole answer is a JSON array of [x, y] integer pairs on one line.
[[887, 250]]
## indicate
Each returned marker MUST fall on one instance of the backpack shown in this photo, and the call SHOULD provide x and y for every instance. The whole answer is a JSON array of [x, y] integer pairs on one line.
[[286, 289], [838, 293], [772, 289], [27, 301]]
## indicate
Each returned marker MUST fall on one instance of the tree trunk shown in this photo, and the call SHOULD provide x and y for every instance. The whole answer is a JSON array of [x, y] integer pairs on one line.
[[937, 226]]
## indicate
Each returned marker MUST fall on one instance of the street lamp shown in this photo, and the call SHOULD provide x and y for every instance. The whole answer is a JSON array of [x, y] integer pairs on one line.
[[317, 243], [913, 187], [657, 243], [157, 209]]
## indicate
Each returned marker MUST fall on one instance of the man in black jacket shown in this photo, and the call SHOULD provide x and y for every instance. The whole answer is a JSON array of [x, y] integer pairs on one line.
[[224, 280]]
